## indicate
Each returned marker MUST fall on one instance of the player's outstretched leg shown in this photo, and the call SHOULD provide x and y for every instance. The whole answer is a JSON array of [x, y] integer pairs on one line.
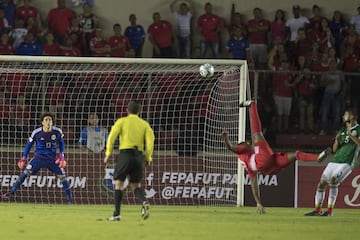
[[19, 181], [324, 154]]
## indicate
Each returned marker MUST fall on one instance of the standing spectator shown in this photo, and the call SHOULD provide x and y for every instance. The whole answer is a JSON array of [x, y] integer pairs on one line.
[[162, 37], [93, 137], [210, 26], [355, 20], [50, 48], [338, 27], [59, 20], [305, 86], [353, 89], [5, 46], [18, 33], [278, 27], [238, 46], [332, 80], [326, 39], [352, 40], [182, 20], [236, 22], [119, 44], [29, 47], [301, 46], [88, 23], [315, 19], [98, 45], [9, 9], [298, 21], [258, 29], [27, 11], [134, 133], [136, 35]]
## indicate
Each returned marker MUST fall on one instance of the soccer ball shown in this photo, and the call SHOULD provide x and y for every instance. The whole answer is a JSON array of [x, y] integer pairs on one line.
[[206, 70]]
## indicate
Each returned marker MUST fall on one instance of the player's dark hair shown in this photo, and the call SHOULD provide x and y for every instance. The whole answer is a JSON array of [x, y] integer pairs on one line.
[[47, 114], [134, 107]]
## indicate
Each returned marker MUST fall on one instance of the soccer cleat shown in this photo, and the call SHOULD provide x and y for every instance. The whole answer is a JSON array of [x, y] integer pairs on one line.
[[7, 196], [145, 211], [324, 154], [326, 214], [313, 213], [114, 218], [246, 103]]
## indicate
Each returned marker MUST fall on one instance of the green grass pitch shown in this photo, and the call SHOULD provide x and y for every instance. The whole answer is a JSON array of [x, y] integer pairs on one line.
[[42, 221]]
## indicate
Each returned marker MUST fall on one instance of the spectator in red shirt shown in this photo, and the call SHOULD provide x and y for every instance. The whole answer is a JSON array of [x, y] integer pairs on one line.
[[119, 43], [98, 45], [300, 46], [210, 26], [278, 27], [5, 47], [50, 48], [68, 49], [27, 11], [59, 20], [162, 37], [258, 29], [315, 19]]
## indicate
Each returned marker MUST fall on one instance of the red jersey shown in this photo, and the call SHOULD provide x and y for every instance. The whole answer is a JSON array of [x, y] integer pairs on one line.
[[121, 43], [161, 33], [74, 52], [27, 12], [59, 20], [6, 49], [262, 159], [280, 84], [209, 24], [260, 36], [51, 49]]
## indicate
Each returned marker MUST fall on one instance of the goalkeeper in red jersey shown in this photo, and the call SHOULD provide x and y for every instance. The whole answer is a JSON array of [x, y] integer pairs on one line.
[[46, 139], [260, 158]]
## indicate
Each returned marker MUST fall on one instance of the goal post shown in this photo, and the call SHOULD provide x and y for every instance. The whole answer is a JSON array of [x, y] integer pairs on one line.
[[187, 112]]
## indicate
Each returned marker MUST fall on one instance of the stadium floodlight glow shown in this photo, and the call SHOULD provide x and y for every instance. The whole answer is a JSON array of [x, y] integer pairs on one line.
[[187, 112]]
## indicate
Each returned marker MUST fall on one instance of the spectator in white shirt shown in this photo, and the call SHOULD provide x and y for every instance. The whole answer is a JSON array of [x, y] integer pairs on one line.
[[355, 20], [298, 21]]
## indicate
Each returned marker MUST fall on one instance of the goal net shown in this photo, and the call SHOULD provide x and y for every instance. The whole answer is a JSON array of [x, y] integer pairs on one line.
[[187, 112]]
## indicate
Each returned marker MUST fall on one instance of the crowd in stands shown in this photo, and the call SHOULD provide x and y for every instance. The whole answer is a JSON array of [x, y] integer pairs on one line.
[[308, 66]]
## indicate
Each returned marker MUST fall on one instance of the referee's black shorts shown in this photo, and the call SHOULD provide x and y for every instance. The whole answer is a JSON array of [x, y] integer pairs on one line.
[[130, 163]]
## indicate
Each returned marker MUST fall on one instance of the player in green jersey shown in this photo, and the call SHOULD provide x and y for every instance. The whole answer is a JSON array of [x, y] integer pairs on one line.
[[346, 150]]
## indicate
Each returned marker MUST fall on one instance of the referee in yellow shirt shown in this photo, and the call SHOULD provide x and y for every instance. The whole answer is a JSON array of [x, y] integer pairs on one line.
[[133, 133]]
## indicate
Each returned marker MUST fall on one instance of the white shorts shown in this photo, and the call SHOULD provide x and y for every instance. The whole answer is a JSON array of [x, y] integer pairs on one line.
[[339, 171], [283, 105]]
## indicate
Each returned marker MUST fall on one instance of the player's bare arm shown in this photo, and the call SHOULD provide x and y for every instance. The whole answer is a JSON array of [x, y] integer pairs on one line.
[[256, 194], [228, 144]]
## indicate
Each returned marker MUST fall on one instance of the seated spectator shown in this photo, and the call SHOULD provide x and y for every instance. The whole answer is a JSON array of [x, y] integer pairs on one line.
[[99, 46], [77, 36], [68, 49], [50, 48], [18, 33], [29, 47], [118, 43], [93, 137], [5, 46], [32, 27], [326, 39], [238, 46], [4, 24]]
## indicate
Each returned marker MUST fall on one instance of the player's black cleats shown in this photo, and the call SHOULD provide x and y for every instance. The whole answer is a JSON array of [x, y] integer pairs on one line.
[[313, 213], [326, 214]]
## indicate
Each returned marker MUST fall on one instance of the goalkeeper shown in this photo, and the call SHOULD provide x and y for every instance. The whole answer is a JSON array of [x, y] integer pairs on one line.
[[46, 139], [260, 157], [133, 132]]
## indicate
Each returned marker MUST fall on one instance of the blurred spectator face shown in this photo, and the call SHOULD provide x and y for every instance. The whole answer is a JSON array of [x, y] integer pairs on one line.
[[131, 53], [337, 16], [324, 58], [238, 33], [296, 12], [19, 23], [324, 23], [257, 13], [49, 38], [237, 18], [156, 17], [316, 11], [86, 8], [301, 60], [183, 8], [332, 52], [27, 3], [208, 8], [61, 3], [29, 37], [117, 30], [132, 19], [98, 33], [279, 14], [75, 22], [93, 119], [68, 42]]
